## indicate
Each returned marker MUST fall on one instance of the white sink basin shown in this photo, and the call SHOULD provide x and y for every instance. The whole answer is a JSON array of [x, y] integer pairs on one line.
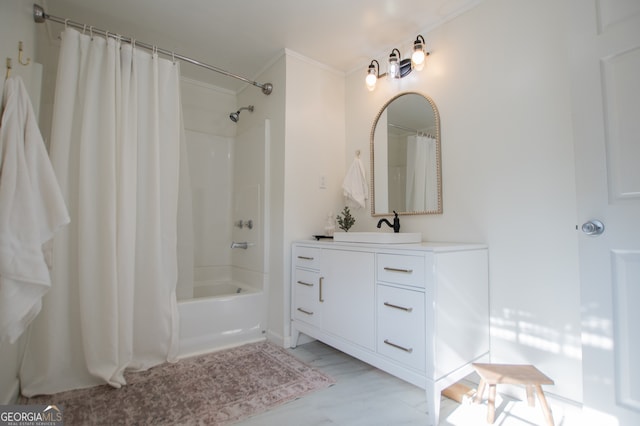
[[378, 237]]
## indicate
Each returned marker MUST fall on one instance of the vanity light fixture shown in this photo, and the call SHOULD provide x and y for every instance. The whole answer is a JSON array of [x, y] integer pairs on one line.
[[398, 67], [419, 53], [373, 74], [394, 64]]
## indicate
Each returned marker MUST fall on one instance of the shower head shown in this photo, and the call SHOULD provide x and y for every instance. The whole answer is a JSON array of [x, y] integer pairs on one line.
[[235, 116]]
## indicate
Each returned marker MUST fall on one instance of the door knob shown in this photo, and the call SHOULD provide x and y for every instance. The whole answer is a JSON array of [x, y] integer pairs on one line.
[[593, 227]]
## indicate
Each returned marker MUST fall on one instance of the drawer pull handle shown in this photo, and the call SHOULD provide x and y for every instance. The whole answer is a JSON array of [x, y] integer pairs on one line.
[[320, 299], [408, 271], [307, 284], [402, 308], [305, 312], [409, 350], [305, 258]]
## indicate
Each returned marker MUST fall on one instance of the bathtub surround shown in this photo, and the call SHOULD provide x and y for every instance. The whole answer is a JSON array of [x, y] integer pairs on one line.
[[228, 183], [112, 305], [215, 389]]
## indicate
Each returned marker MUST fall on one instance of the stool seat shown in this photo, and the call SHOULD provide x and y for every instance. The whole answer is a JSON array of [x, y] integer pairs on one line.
[[513, 374]]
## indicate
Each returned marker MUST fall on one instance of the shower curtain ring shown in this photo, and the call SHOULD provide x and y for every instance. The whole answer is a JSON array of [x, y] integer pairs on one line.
[[65, 23], [84, 29]]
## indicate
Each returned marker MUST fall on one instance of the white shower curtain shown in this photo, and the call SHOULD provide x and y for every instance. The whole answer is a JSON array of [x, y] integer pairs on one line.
[[422, 174], [115, 148]]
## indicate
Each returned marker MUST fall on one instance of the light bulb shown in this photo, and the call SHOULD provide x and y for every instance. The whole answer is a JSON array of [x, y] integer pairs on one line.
[[394, 65], [371, 80], [372, 76], [418, 56], [418, 60]]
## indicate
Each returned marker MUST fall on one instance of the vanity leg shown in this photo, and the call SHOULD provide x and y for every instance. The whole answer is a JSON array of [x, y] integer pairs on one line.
[[433, 399], [295, 334]]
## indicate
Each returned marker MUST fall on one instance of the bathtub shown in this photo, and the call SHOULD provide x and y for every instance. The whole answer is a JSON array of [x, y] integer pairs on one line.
[[221, 314]]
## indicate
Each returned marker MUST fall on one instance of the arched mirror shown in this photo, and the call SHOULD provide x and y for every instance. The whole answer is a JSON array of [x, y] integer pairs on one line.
[[406, 167]]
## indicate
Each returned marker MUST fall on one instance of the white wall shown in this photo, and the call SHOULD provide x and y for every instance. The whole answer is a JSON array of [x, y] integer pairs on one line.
[[307, 144], [499, 76], [315, 123], [16, 24]]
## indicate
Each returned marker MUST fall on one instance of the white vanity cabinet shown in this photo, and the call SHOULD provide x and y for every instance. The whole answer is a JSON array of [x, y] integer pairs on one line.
[[417, 311]]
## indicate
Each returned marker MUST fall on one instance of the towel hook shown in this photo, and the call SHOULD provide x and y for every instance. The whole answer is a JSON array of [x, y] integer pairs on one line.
[[20, 61], [357, 153], [8, 74]]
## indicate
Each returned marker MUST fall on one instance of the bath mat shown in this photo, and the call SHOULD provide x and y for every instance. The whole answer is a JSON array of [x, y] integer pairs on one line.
[[214, 389]]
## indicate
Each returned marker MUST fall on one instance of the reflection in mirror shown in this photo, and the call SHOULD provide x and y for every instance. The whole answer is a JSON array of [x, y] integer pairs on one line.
[[405, 157]]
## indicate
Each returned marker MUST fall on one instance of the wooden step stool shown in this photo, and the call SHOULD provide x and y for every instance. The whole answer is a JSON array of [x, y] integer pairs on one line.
[[527, 375]]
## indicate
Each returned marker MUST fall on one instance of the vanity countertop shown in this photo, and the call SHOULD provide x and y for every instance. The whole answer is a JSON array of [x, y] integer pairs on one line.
[[433, 246]]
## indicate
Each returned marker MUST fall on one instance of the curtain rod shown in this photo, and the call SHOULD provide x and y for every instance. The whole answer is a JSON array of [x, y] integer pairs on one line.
[[40, 16]]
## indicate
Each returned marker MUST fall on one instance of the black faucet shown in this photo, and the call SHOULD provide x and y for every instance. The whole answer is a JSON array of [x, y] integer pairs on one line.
[[396, 223]]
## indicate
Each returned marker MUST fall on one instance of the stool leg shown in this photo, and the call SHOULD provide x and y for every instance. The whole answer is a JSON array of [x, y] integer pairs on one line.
[[530, 397], [545, 407], [478, 397], [491, 410]]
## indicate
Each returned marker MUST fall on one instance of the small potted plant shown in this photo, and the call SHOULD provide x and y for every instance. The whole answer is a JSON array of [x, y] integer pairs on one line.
[[346, 221]]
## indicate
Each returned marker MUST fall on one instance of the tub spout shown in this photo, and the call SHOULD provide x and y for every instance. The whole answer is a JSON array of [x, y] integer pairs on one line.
[[243, 245]]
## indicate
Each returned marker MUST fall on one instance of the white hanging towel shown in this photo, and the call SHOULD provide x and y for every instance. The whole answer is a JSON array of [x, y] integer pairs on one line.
[[355, 184], [32, 208]]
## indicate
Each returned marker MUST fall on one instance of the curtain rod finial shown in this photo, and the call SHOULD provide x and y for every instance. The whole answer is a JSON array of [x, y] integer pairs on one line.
[[38, 14], [267, 88]]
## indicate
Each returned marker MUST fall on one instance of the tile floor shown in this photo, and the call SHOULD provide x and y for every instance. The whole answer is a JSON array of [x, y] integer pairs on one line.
[[364, 395]]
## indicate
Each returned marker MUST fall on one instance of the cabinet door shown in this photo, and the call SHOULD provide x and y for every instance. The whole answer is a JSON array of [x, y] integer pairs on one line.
[[348, 295]]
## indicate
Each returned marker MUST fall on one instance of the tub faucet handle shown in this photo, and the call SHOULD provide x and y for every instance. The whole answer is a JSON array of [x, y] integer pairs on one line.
[[243, 224]]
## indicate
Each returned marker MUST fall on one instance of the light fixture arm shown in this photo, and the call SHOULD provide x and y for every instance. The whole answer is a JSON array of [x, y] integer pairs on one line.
[[375, 68], [393, 53]]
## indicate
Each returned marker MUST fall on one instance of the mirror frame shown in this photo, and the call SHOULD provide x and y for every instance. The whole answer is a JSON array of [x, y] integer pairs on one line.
[[438, 158]]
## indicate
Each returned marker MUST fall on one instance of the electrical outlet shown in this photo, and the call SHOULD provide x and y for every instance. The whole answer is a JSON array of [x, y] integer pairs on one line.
[[323, 182]]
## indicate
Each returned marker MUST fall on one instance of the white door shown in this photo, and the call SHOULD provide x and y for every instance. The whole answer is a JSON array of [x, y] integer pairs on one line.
[[604, 48]]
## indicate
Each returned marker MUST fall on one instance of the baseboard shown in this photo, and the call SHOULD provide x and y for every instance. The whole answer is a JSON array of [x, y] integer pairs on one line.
[[11, 396], [278, 339]]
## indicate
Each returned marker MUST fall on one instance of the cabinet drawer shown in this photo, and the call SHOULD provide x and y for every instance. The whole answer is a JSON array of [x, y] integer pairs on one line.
[[306, 257], [305, 305], [401, 269], [401, 326]]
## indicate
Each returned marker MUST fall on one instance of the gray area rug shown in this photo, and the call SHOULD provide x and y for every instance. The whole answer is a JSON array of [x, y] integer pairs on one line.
[[214, 389]]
